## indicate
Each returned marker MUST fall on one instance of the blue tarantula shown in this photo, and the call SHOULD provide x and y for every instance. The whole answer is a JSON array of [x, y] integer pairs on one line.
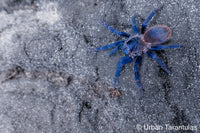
[[137, 45]]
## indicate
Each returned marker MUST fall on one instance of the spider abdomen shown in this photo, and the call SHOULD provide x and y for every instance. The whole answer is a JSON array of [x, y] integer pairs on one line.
[[157, 34]]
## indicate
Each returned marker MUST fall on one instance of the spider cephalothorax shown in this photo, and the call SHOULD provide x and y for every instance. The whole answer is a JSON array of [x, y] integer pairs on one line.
[[137, 45]]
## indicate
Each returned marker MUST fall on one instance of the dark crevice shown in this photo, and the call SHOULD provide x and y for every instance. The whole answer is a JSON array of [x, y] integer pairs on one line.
[[179, 118], [61, 48], [26, 52], [95, 4], [86, 38], [86, 105], [97, 73], [52, 115], [191, 71], [122, 6], [58, 40], [69, 80], [80, 113], [13, 73]]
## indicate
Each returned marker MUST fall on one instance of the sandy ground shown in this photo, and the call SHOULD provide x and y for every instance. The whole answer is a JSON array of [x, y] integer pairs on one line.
[[50, 83]]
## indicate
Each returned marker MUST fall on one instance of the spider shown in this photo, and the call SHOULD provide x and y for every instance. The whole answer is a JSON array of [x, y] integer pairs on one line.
[[137, 45]]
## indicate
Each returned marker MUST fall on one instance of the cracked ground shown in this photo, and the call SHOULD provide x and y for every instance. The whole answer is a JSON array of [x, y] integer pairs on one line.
[[50, 83]]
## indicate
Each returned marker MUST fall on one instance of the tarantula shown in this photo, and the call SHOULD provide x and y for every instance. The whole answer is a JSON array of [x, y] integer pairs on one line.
[[137, 45]]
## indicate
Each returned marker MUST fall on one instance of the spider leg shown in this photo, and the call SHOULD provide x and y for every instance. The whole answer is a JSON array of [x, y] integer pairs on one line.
[[144, 25], [113, 30], [160, 47], [134, 26], [153, 55], [115, 50], [108, 46], [136, 66], [121, 62]]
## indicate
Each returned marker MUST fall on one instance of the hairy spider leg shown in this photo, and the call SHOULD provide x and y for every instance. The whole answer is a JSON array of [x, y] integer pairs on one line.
[[153, 55], [121, 62], [136, 67], [134, 25], [113, 30], [115, 49], [160, 47], [108, 46], [144, 25]]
